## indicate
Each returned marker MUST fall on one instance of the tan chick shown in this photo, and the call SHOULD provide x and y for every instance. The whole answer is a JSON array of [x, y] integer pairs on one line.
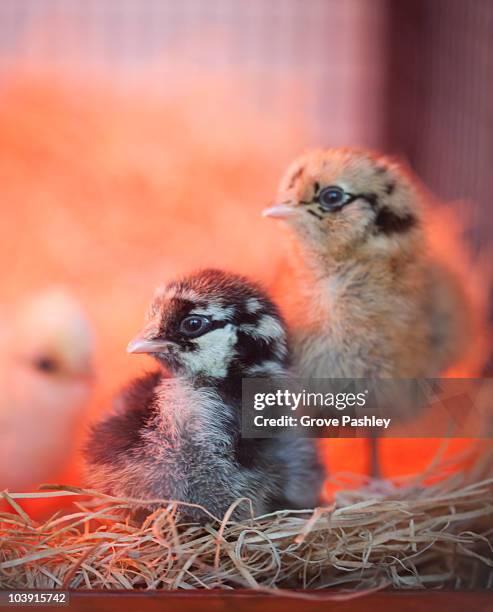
[[45, 384], [375, 300]]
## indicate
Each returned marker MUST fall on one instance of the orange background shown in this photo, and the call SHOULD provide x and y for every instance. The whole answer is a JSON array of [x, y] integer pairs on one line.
[[110, 193]]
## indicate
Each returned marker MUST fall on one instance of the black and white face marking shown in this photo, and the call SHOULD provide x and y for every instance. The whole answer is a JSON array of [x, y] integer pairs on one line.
[[214, 325]]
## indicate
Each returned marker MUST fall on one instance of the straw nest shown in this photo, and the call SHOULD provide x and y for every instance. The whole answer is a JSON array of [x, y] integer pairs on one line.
[[411, 536]]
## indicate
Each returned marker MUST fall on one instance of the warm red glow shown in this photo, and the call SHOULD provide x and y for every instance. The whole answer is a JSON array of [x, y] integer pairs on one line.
[[110, 194]]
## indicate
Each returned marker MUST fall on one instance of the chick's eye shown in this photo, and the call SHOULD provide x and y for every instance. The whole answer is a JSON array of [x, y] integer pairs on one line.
[[332, 198], [45, 364], [194, 326]]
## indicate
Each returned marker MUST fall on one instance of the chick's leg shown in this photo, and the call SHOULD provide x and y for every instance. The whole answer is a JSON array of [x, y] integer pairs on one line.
[[374, 468], [378, 485], [303, 474]]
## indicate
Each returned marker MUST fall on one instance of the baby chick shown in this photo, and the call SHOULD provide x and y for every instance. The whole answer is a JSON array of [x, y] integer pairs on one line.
[[375, 300], [179, 438], [46, 380]]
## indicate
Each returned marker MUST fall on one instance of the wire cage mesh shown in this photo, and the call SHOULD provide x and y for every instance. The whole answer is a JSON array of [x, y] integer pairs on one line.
[[439, 103], [330, 49]]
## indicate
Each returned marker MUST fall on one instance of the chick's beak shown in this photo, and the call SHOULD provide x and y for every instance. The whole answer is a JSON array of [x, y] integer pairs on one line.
[[143, 345], [279, 211], [147, 341]]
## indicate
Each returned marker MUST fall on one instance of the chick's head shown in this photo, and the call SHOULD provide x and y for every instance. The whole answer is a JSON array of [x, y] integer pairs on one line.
[[51, 336], [338, 201], [213, 325]]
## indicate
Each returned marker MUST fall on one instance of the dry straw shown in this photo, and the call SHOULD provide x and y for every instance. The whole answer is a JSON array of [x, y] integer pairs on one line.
[[408, 536]]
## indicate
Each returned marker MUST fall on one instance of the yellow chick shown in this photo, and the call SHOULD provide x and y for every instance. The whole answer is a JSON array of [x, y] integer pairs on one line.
[[375, 300], [45, 381]]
